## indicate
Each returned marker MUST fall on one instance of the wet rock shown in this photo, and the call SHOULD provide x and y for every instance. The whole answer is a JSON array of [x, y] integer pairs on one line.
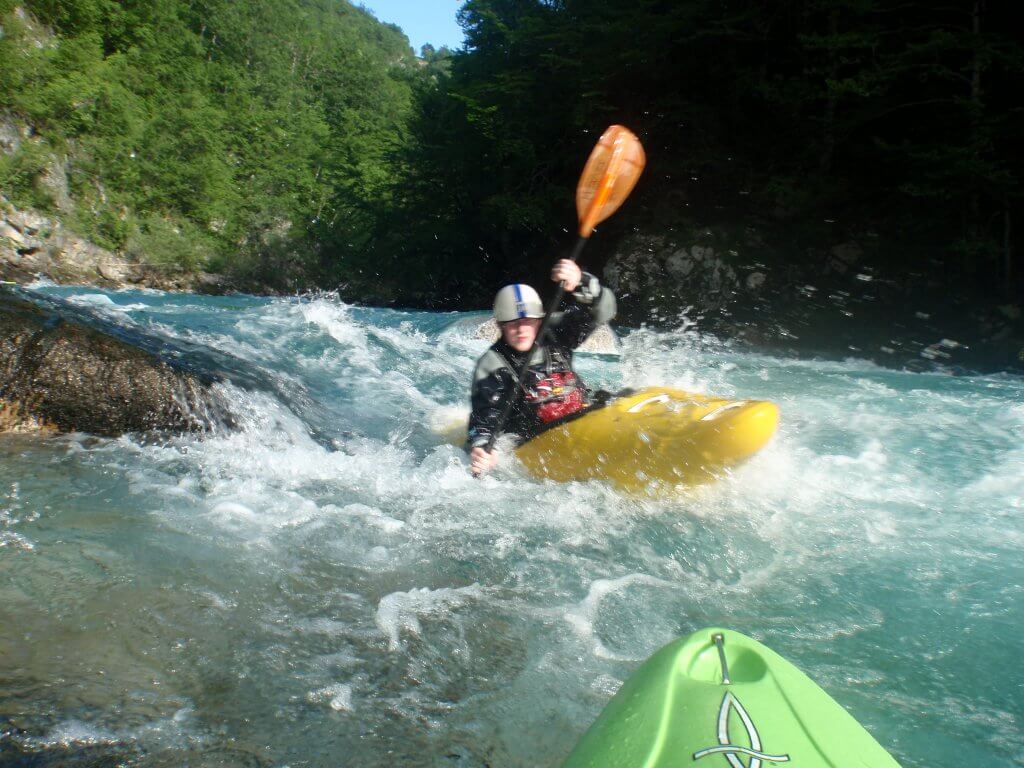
[[212, 284], [60, 375]]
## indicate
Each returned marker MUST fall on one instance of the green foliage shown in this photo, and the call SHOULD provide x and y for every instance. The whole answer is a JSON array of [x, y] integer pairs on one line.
[[896, 116], [302, 139], [170, 245], [231, 120], [21, 176]]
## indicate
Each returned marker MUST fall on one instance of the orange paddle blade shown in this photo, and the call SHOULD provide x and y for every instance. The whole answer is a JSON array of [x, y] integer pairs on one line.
[[608, 177]]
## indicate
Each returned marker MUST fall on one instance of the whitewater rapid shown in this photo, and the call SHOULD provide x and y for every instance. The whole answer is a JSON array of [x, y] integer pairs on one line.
[[327, 585]]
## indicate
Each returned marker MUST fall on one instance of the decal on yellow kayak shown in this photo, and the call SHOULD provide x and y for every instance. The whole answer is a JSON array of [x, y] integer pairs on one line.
[[733, 752]]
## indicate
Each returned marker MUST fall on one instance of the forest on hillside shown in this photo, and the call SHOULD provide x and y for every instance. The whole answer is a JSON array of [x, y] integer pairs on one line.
[[302, 142], [208, 134], [896, 122]]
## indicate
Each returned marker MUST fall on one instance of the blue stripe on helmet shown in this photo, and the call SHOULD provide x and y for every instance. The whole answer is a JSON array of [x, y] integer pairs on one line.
[[520, 304]]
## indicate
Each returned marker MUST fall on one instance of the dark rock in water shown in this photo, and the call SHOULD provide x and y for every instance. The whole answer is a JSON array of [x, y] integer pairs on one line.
[[58, 374]]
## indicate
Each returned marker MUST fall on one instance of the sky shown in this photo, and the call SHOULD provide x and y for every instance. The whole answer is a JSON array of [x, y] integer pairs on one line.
[[423, 21]]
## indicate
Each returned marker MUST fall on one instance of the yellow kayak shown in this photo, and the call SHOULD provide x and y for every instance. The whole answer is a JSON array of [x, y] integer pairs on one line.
[[652, 439]]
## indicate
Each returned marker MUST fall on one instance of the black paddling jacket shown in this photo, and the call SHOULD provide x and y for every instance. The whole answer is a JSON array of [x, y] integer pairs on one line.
[[494, 380]]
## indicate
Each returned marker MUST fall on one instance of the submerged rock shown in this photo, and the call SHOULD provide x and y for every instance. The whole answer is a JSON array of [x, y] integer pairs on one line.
[[60, 375]]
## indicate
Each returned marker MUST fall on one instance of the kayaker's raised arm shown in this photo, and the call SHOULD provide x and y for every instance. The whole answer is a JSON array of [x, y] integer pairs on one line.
[[590, 305]]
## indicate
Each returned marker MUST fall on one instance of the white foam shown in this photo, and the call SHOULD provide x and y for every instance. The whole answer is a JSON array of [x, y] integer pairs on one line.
[[77, 733], [174, 732], [583, 615], [373, 516], [103, 302], [605, 686], [41, 282], [13, 513], [872, 458], [334, 318], [234, 511], [16, 540], [400, 611], [337, 696]]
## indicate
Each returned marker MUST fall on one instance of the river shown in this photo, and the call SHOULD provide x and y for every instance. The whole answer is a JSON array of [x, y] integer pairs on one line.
[[328, 586]]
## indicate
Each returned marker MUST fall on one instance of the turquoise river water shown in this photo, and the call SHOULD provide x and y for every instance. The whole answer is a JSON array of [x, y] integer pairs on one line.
[[328, 586]]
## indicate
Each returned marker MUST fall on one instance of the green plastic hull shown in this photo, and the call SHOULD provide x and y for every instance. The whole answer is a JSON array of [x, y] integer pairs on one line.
[[676, 711]]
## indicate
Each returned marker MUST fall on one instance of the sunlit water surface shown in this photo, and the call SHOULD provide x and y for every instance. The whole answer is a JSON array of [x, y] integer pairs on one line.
[[328, 586]]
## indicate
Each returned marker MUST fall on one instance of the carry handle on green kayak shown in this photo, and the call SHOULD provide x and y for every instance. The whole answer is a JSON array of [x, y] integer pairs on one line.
[[608, 177], [719, 640]]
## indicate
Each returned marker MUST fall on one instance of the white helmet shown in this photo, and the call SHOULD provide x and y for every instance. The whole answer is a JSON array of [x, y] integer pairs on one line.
[[517, 301]]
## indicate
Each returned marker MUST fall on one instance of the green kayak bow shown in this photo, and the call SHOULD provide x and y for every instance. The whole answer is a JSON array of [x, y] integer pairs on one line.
[[719, 699]]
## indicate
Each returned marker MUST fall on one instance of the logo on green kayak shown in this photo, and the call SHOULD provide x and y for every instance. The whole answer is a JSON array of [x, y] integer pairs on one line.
[[734, 752]]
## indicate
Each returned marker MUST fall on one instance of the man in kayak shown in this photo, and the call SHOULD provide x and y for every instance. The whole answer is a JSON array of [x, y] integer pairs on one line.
[[551, 390]]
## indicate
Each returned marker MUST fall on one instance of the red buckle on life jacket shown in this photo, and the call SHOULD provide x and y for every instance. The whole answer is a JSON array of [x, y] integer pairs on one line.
[[557, 409], [557, 395]]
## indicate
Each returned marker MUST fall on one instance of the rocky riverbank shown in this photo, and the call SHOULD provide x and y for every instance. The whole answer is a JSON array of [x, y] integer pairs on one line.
[[34, 246], [736, 285], [833, 303]]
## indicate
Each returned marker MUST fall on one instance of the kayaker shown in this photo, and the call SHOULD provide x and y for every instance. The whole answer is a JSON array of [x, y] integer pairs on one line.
[[551, 389]]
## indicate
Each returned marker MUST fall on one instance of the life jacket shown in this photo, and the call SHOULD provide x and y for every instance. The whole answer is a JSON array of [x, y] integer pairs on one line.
[[554, 391]]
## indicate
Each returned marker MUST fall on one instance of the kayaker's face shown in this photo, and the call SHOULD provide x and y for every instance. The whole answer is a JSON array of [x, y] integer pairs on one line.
[[520, 334]]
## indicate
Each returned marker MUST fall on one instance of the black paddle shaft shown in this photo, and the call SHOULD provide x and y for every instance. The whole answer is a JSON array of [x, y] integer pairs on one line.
[[512, 401]]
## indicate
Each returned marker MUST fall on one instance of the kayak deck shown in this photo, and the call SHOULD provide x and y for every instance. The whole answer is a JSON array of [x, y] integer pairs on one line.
[[719, 698], [653, 438]]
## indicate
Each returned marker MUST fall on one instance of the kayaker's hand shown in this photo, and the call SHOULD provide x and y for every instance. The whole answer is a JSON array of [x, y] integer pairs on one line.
[[567, 271], [481, 461]]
